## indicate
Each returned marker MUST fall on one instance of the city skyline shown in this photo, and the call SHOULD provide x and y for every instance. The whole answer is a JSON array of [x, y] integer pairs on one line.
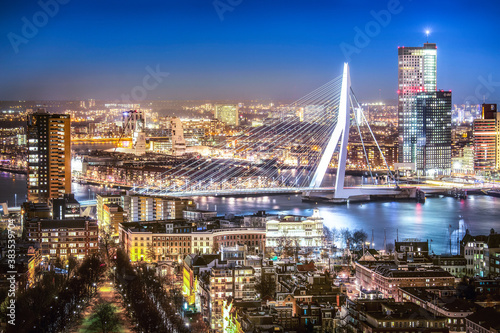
[[241, 50], [247, 166]]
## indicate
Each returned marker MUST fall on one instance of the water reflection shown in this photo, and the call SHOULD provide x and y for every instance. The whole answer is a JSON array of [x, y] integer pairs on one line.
[[428, 221]]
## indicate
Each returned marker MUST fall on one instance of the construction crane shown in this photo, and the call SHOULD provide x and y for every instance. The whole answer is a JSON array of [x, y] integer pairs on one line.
[[125, 126]]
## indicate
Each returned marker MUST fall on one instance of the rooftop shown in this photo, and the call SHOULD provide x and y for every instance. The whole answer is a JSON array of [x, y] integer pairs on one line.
[[401, 311], [74, 223], [394, 272], [153, 226], [447, 303], [488, 318]]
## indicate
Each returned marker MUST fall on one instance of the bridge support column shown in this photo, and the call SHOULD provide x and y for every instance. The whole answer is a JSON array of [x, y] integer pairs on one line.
[[341, 132]]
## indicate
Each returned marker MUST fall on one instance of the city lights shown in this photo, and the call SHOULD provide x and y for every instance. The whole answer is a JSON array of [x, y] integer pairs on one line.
[[234, 167]]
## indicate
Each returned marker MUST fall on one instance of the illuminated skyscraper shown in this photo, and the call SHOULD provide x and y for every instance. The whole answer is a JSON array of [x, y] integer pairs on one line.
[[227, 113], [487, 139], [433, 129], [416, 74], [178, 142], [49, 156]]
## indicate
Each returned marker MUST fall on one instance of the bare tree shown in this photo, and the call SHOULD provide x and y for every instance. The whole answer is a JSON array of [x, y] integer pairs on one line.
[[108, 247], [335, 234], [359, 237], [345, 235], [151, 252], [71, 264], [215, 247], [287, 246]]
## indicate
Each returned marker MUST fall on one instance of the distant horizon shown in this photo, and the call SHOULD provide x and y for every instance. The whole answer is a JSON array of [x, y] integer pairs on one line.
[[389, 102], [166, 100], [194, 50]]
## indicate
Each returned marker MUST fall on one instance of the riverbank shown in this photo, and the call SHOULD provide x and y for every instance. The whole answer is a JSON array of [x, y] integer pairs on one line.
[[15, 171]]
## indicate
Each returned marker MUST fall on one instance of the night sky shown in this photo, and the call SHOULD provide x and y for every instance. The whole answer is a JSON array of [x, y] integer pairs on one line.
[[240, 49]]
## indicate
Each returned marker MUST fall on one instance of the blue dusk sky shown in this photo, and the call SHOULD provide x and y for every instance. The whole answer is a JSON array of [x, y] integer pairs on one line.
[[240, 49]]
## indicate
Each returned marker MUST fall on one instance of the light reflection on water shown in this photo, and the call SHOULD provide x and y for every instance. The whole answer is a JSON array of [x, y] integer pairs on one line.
[[430, 220]]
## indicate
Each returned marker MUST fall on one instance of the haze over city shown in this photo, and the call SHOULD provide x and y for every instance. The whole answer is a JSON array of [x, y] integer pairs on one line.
[[276, 50], [240, 166]]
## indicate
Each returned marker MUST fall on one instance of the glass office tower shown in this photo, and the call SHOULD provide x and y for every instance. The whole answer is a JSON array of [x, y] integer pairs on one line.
[[433, 129], [416, 74]]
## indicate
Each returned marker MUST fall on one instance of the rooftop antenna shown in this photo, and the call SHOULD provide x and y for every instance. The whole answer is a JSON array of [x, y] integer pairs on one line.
[[385, 241], [371, 245], [427, 32], [450, 239]]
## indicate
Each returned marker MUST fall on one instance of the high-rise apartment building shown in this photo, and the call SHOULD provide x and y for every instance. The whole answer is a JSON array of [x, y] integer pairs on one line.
[[227, 113], [178, 142], [112, 217], [65, 207], [433, 131], [150, 208], [49, 156], [107, 199], [487, 139], [416, 74]]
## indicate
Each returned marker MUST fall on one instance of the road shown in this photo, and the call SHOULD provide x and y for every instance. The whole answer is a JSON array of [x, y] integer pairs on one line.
[[106, 294]]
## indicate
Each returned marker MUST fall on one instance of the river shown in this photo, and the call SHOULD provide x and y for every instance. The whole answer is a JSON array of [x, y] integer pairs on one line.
[[427, 221]]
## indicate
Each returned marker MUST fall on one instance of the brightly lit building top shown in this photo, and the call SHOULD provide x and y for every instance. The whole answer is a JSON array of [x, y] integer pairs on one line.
[[416, 74]]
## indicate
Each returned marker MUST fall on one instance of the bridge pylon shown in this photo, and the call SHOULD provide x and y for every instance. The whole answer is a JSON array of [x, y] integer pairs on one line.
[[340, 133]]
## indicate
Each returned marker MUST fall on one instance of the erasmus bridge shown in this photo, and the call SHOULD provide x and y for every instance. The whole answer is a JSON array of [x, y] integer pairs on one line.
[[311, 130]]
